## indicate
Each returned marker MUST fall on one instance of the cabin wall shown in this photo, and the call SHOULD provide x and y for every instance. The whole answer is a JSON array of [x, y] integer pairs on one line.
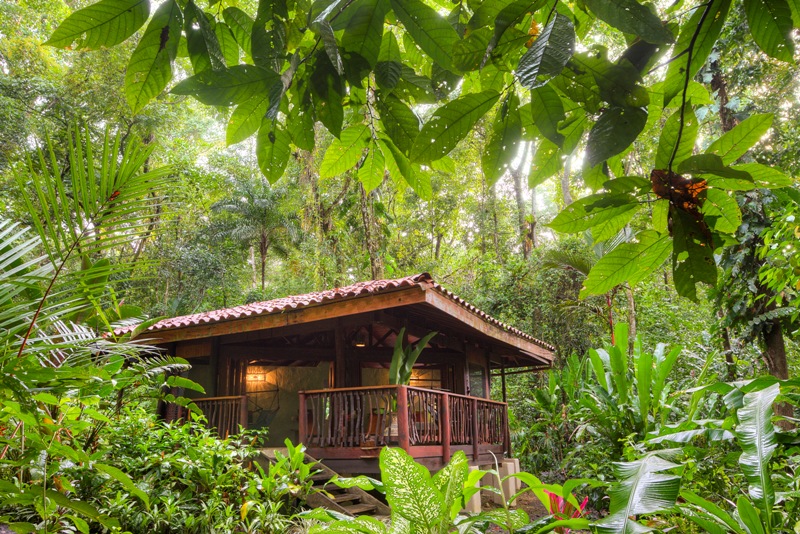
[[272, 397]]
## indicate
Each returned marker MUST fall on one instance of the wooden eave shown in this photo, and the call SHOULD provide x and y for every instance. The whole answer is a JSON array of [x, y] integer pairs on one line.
[[426, 303]]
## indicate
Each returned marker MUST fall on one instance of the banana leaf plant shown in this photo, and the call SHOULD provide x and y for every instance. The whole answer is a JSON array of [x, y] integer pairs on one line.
[[755, 433], [629, 397]]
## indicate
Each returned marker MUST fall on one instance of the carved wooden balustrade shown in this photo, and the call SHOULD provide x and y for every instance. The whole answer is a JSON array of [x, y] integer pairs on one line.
[[344, 423], [225, 414]]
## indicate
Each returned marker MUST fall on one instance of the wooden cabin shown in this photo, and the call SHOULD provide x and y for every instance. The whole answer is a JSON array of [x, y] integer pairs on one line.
[[314, 368]]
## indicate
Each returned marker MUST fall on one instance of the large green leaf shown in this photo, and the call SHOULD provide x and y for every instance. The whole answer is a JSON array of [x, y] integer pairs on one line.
[[613, 132], [707, 34], [711, 511], [756, 436], [227, 44], [547, 161], [547, 111], [692, 256], [592, 210], [450, 124], [399, 121], [371, 172], [365, 29], [125, 480], [241, 26], [227, 87], [628, 262], [344, 153], [399, 167], [503, 145], [273, 150], [770, 23], [643, 488], [201, 40], [105, 23], [721, 211], [734, 144], [450, 481], [410, 490], [549, 54], [630, 16], [710, 164], [429, 29], [246, 118], [669, 138], [765, 176], [150, 67]]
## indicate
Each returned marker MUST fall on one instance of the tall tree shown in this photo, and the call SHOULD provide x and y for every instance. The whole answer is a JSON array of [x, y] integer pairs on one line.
[[259, 216]]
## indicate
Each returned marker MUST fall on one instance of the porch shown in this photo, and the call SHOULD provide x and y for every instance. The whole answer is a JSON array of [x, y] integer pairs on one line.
[[347, 427]]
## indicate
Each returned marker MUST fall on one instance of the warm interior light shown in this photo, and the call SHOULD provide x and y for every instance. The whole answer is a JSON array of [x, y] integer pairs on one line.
[[361, 339], [256, 377]]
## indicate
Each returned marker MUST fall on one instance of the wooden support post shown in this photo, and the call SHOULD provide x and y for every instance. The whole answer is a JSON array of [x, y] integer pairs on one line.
[[340, 362], [402, 418], [243, 411], [506, 435], [503, 380], [445, 429], [475, 446], [302, 422]]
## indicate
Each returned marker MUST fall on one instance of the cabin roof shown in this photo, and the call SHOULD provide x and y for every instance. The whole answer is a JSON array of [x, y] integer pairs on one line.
[[284, 305]]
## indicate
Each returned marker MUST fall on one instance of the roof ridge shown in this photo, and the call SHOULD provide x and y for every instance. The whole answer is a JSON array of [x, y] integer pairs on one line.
[[357, 289]]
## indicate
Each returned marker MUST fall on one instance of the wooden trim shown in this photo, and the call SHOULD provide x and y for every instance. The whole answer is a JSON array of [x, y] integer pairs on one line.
[[472, 319], [313, 312], [445, 427]]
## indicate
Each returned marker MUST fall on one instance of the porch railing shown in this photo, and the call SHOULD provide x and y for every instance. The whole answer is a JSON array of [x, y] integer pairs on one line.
[[225, 414], [427, 421]]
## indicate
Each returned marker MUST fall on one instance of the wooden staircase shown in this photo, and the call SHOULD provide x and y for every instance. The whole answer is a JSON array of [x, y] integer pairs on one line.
[[349, 501]]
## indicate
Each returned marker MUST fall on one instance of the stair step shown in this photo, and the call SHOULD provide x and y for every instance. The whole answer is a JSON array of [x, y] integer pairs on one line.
[[320, 477], [344, 497], [360, 508]]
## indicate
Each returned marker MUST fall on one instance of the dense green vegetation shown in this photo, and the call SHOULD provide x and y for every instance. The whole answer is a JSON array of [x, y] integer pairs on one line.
[[613, 177]]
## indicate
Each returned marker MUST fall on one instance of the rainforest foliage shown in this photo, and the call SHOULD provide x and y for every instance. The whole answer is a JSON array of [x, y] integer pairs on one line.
[[615, 177]]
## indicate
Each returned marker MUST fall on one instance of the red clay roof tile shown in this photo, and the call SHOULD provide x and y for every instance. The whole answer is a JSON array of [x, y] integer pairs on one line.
[[320, 297]]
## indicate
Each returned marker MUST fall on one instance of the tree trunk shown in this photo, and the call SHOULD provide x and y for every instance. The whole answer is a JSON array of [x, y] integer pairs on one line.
[[565, 183], [775, 356], [516, 175], [631, 318], [367, 217], [532, 222], [263, 248]]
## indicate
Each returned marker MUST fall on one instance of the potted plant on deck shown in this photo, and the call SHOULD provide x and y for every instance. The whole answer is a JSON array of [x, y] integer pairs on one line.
[[403, 359]]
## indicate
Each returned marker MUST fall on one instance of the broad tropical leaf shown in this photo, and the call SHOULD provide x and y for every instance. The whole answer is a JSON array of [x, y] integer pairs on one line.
[[344, 153], [547, 111], [631, 262], [503, 145], [770, 23], [547, 161], [429, 29], [150, 67], [399, 121], [227, 87], [710, 164], [734, 144], [241, 26], [692, 257], [201, 40], [246, 118], [273, 150], [371, 172], [105, 23], [722, 211], [591, 211], [365, 29], [764, 176], [409, 489], [643, 488], [549, 54], [450, 124], [669, 137], [629, 16], [756, 436], [707, 34], [613, 132]]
